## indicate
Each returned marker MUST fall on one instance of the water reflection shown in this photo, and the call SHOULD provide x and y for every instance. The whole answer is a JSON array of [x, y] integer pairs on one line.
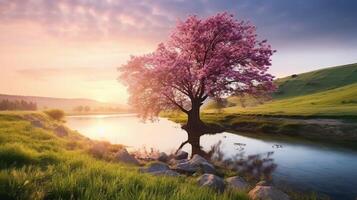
[[131, 131], [253, 167], [302, 165]]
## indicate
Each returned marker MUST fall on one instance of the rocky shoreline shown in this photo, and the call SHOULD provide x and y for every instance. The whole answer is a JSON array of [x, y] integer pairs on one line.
[[206, 174]]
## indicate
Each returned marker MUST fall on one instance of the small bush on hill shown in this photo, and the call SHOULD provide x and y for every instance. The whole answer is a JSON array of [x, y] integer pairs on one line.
[[55, 114]]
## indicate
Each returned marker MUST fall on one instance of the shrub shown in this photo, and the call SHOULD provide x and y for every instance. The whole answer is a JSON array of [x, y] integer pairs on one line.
[[55, 114]]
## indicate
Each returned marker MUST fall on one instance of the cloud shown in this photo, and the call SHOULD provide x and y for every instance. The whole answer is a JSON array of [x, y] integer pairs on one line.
[[279, 20], [87, 18], [292, 27]]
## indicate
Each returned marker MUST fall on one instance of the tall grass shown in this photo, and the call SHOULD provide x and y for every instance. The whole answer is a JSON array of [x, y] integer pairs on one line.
[[36, 164]]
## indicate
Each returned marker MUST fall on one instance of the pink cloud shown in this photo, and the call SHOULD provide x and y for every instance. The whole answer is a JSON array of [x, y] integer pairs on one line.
[[90, 19]]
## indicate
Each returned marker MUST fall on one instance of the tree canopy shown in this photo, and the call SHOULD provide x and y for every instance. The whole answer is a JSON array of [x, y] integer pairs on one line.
[[203, 58]]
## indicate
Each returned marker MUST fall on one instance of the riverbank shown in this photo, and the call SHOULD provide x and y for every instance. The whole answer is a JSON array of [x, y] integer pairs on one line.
[[332, 130], [41, 161]]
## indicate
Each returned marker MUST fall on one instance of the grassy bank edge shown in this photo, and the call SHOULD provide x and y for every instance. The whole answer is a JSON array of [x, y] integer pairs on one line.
[[274, 126], [35, 163]]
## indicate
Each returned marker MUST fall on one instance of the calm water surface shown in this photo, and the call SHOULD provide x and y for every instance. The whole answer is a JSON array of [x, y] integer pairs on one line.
[[300, 165]]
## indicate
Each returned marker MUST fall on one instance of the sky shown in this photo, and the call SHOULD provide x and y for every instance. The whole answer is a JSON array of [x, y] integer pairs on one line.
[[71, 48]]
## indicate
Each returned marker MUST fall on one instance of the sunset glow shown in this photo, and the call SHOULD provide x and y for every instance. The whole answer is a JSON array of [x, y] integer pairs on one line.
[[178, 99], [72, 48]]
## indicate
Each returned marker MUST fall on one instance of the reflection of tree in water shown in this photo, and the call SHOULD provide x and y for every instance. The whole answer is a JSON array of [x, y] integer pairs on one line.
[[253, 167]]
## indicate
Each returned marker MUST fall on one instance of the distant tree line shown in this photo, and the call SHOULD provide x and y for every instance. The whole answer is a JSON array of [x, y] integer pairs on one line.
[[82, 109], [98, 109], [6, 104]]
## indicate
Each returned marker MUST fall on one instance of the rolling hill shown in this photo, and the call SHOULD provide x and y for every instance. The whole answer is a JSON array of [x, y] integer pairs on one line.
[[60, 103], [316, 81], [326, 92]]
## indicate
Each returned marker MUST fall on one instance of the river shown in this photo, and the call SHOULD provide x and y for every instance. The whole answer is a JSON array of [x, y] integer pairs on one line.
[[301, 165]]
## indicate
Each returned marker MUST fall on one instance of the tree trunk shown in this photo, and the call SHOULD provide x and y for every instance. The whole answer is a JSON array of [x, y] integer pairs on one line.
[[194, 123], [194, 140], [195, 128]]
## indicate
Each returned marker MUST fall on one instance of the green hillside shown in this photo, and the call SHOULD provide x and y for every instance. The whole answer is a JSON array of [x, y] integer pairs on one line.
[[316, 81], [326, 92], [336, 102]]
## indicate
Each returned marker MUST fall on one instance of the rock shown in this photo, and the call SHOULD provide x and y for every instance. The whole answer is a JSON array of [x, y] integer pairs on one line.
[[196, 163], [61, 131], [212, 181], [187, 167], [205, 166], [237, 183], [181, 155], [267, 193], [165, 173], [37, 123], [123, 156], [176, 162], [163, 157], [208, 168], [159, 169], [197, 160], [155, 167]]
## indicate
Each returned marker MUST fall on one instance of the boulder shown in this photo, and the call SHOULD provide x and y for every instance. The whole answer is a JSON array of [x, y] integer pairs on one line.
[[37, 123], [267, 193], [208, 168], [237, 183], [61, 131], [176, 162], [196, 163], [197, 160], [123, 156], [181, 155], [187, 167], [163, 157], [155, 167], [165, 173], [212, 181], [159, 169], [205, 166]]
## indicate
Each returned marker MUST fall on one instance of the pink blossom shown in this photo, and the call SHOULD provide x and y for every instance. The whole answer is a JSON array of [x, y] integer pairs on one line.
[[203, 58]]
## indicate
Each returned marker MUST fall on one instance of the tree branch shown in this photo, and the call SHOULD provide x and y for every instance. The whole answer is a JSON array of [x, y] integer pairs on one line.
[[204, 97], [176, 104], [202, 88], [180, 147]]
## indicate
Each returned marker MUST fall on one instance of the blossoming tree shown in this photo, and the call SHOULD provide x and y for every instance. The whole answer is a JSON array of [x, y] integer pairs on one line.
[[203, 58]]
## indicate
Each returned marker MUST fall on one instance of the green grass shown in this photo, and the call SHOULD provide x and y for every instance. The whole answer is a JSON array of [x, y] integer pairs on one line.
[[316, 81], [37, 164], [337, 102], [330, 92]]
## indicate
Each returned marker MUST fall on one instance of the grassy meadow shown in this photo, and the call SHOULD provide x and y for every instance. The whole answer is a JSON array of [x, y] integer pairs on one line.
[[339, 102], [329, 92], [35, 163]]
